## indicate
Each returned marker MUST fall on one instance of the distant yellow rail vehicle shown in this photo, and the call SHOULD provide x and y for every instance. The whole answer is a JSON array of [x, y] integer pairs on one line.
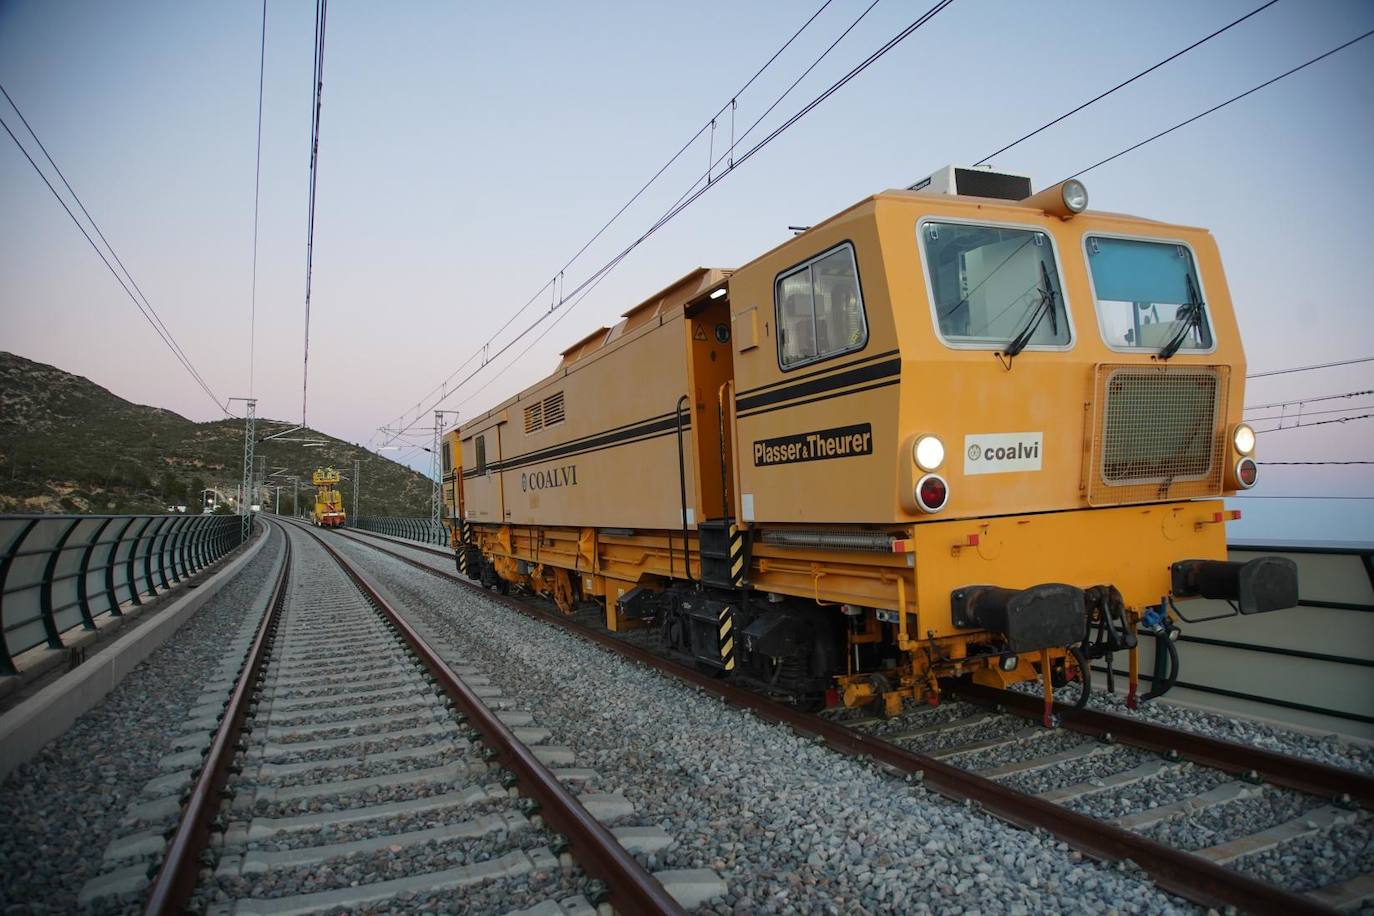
[[959, 431], [329, 510]]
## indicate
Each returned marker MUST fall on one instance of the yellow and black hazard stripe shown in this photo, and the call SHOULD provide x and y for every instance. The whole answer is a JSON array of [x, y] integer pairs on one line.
[[739, 557], [464, 536], [726, 620]]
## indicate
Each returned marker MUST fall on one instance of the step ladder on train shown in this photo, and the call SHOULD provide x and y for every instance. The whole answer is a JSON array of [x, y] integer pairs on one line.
[[724, 548]]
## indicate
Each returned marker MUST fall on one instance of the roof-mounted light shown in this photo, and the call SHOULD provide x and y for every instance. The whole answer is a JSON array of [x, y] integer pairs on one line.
[[1074, 195], [716, 294], [1064, 200]]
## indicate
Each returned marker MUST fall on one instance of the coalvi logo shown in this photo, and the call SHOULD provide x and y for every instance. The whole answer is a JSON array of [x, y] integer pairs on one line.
[[1003, 453]]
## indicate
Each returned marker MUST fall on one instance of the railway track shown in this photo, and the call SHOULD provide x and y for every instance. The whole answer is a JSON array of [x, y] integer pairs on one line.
[[355, 767], [1203, 817]]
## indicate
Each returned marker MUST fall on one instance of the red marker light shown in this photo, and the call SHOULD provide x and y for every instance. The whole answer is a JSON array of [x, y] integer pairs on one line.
[[932, 493], [1247, 472]]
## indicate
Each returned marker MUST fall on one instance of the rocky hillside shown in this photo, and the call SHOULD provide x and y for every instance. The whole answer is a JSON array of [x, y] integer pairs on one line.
[[68, 445]]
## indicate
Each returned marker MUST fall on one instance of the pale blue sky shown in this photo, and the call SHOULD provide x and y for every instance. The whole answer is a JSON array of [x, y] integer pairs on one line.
[[468, 150]]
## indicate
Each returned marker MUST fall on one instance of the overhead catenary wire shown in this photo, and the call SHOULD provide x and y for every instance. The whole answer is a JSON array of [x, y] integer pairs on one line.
[[516, 359], [1313, 400], [692, 196], [144, 306], [1215, 108], [1340, 362], [321, 17], [702, 183], [700, 189], [1314, 462], [1124, 83], [591, 285], [1297, 496], [1279, 429], [1298, 415], [257, 196], [442, 388]]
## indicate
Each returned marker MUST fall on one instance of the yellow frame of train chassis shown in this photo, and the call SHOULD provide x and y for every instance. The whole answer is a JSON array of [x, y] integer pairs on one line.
[[1014, 551]]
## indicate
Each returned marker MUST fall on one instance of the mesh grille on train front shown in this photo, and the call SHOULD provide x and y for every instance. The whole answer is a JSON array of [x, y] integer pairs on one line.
[[1158, 433]]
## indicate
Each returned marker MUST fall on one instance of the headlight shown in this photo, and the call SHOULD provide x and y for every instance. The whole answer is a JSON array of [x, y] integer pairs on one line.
[[1075, 196], [929, 453], [1244, 439]]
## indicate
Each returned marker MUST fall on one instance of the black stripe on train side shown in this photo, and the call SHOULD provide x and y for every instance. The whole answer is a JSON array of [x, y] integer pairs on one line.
[[824, 397], [885, 373], [792, 379], [597, 440], [669, 415], [620, 435], [888, 369], [589, 449]]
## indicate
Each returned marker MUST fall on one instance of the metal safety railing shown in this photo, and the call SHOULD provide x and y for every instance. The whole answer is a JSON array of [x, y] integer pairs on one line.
[[422, 529], [62, 572]]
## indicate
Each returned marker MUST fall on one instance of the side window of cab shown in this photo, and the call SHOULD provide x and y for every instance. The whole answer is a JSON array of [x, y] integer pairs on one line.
[[820, 310]]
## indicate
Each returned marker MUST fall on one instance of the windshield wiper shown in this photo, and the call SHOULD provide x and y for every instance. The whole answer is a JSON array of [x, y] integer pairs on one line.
[[1191, 314], [1046, 306]]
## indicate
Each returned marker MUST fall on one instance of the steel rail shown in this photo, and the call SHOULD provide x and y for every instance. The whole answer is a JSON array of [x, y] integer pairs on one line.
[[633, 890], [180, 870], [1192, 877], [1296, 773]]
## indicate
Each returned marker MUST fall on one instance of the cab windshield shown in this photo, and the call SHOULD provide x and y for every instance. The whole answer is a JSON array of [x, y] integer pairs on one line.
[[1147, 295], [992, 283]]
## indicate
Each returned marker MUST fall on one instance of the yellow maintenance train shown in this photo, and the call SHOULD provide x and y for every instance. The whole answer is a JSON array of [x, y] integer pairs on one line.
[[329, 510], [958, 430]]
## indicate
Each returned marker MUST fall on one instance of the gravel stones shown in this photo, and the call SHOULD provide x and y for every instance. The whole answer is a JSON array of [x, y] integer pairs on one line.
[[1331, 749], [1118, 760], [1232, 820], [1317, 861], [1171, 785]]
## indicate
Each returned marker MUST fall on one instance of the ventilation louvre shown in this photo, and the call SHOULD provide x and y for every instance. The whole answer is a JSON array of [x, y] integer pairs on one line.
[[534, 417], [553, 409], [544, 413]]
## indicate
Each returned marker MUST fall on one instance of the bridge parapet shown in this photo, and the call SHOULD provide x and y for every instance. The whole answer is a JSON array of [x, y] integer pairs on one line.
[[59, 573], [423, 529]]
